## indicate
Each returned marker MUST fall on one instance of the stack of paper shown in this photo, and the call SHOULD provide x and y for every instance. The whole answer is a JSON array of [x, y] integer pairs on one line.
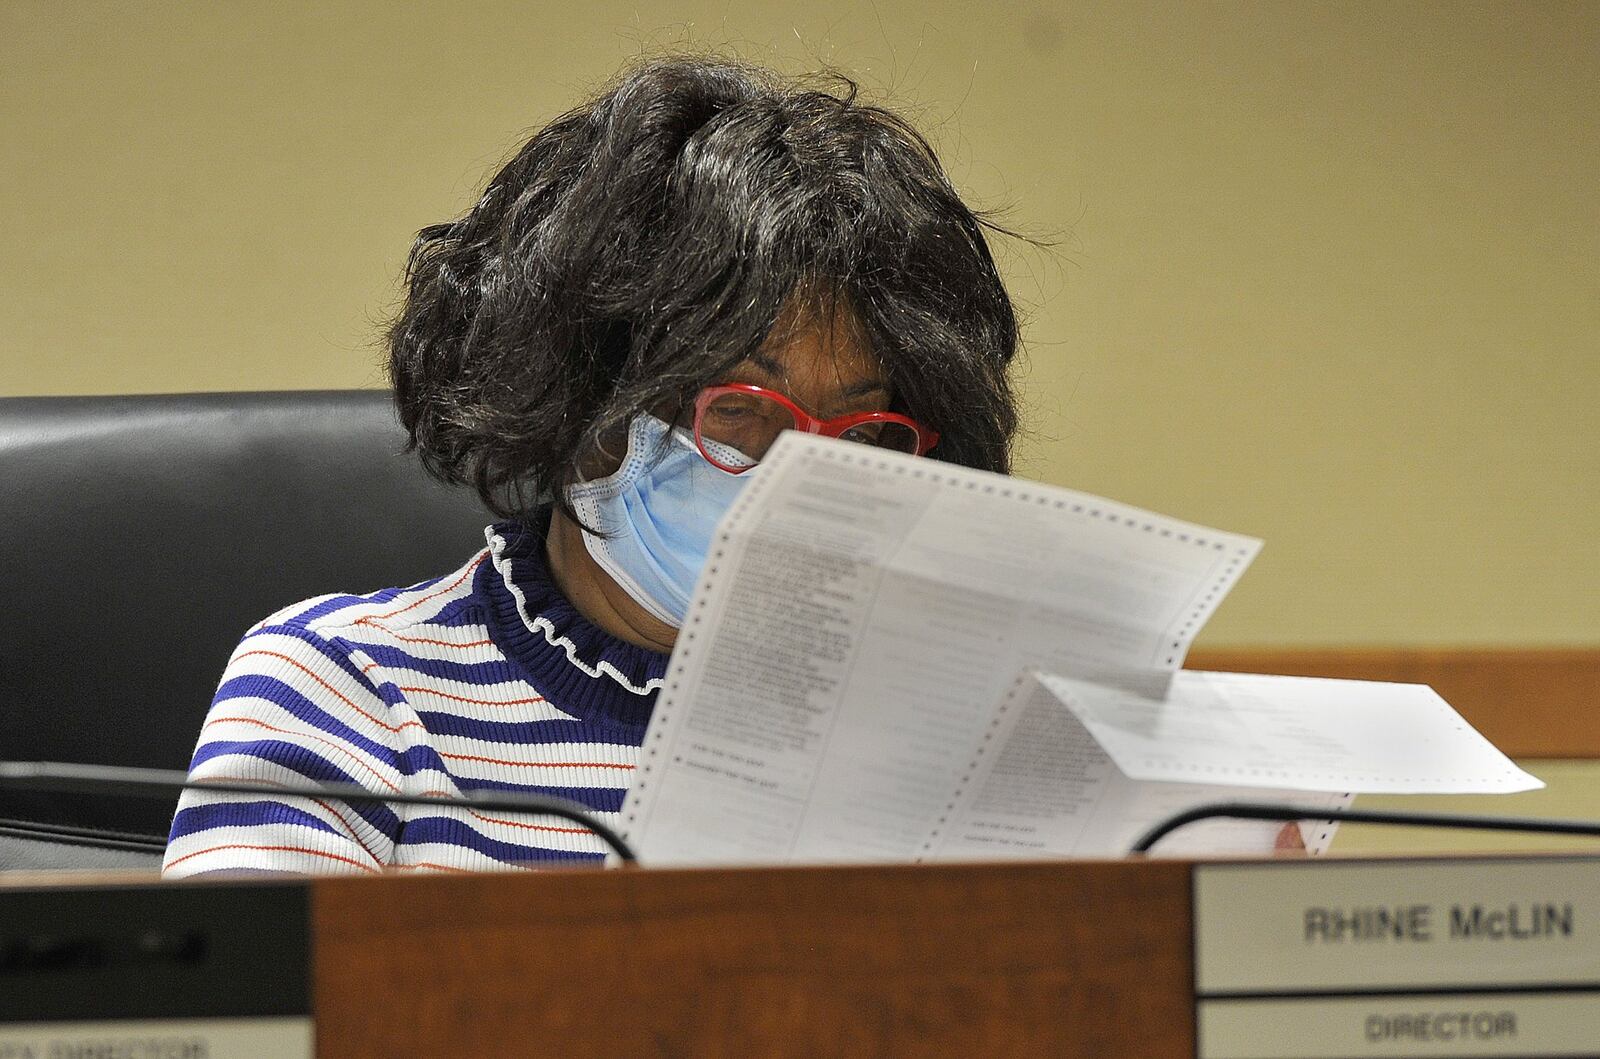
[[890, 659]]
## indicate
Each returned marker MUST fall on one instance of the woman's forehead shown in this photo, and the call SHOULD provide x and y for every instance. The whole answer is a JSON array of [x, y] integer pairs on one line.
[[826, 353]]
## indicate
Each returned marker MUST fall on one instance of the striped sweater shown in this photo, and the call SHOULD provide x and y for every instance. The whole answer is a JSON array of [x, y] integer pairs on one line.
[[486, 679]]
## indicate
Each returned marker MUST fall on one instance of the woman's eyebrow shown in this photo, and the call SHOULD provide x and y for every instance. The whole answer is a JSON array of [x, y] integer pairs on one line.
[[866, 386], [776, 371], [772, 368]]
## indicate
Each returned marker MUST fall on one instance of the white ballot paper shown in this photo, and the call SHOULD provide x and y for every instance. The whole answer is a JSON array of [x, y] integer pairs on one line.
[[1310, 733], [861, 619], [1073, 768]]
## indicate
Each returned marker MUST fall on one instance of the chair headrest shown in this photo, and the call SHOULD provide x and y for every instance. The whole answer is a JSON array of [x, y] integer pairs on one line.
[[144, 535]]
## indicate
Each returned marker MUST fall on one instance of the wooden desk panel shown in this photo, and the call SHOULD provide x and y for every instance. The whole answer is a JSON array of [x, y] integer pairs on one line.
[[1076, 959]]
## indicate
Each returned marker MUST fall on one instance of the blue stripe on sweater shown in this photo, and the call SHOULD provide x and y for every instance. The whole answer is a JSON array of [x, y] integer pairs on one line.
[[242, 814], [275, 691], [599, 799], [451, 832], [307, 763], [333, 651], [468, 610], [409, 762], [418, 759], [334, 604], [523, 733], [496, 671]]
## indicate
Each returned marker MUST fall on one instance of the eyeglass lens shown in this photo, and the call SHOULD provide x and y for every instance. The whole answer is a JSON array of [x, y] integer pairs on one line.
[[750, 423]]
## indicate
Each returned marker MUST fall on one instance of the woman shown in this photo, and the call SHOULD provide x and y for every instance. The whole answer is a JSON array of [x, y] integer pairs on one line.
[[659, 282]]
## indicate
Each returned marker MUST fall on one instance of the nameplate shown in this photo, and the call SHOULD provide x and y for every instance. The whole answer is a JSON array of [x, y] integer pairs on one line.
[[1495, 957], [1475, 1024], [280, 1038], [201, 970]]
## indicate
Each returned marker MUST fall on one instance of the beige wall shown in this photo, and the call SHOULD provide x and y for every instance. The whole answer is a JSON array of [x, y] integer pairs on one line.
[[1330, 279]]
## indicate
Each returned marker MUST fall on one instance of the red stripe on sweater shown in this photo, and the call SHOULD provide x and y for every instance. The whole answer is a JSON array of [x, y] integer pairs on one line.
[[271, 849], [331, 810], [474, 702], [537, 764], [326, 742], [429, 640], [331, 689], [373, 619], [513, 823]]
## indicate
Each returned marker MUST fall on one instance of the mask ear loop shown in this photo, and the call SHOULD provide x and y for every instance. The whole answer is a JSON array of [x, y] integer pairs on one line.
[[644, 443], [655, 577]]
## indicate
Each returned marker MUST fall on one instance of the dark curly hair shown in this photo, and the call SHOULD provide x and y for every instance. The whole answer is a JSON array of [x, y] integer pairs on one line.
[[641, 245]]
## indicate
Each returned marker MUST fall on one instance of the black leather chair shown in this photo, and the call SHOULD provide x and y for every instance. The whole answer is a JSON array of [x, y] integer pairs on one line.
[[142, 536]]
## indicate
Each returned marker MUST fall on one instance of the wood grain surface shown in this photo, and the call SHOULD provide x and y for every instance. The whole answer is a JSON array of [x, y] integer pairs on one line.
[[1529, 702], [1075, 959]]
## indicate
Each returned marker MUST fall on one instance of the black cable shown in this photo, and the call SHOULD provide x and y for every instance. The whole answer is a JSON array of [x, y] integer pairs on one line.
[[62, 777], [1290, 813], [66, 834]]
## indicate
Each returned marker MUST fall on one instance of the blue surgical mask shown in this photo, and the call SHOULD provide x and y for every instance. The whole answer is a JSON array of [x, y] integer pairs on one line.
[[656, 516]]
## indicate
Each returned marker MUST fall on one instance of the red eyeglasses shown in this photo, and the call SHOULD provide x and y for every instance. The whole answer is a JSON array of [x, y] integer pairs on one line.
[[735, 424]]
